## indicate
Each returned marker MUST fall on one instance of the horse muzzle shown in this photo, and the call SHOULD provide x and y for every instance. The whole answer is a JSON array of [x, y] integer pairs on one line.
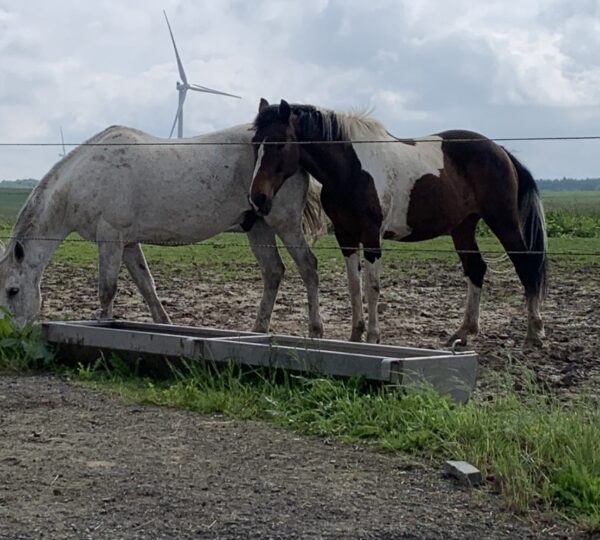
[[261, 204]]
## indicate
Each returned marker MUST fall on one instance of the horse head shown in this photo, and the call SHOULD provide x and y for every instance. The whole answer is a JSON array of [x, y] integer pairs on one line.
[[276, 152], [19, 285]]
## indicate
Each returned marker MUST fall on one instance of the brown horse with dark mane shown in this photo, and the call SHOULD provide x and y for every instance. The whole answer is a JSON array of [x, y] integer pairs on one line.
[[376, 186]]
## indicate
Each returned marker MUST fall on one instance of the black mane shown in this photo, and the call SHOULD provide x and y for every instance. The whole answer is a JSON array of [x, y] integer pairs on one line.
[[311, 121]]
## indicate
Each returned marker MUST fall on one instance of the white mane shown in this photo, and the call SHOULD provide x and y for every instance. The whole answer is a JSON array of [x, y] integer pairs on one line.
[[353, 125]]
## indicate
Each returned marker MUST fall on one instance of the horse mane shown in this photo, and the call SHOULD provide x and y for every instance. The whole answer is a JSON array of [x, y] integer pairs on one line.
[[29, 215], [328, 124]]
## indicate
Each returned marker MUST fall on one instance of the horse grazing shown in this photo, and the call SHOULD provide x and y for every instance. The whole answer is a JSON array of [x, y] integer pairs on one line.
[[124, 187], [406, 190]]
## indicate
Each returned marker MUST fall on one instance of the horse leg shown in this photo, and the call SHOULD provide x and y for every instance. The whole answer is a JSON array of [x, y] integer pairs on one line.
[[350, 246], [110, 255], [509, 234], [306, 262], [134, 260], [372, 288], [474, 268], [262, 243]]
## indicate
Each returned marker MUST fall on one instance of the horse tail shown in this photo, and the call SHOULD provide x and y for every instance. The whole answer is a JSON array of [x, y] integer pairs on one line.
[[313, 218], [533, 227]]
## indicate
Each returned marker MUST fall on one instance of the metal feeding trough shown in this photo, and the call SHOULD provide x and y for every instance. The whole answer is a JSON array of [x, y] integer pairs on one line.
[[149, 344]]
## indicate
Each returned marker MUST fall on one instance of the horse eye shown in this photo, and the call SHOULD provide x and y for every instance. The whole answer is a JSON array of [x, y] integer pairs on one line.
[[13, 291]]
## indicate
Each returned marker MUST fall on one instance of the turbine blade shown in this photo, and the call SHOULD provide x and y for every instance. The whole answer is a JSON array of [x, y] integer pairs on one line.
[[179, 64], [199, 88]]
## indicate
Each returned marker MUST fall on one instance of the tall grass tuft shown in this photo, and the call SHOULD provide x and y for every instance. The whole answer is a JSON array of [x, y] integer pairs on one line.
[[21, 347]]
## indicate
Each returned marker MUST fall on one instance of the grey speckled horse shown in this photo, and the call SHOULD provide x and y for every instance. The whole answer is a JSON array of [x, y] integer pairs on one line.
[[124, 188]]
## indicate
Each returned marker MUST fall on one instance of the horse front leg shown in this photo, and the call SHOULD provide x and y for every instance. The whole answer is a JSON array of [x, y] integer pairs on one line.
[[306, 262], [264, 247], [372, 278], [352, 261]]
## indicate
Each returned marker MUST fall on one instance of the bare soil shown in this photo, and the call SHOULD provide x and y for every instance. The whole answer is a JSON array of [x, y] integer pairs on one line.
[[421, 305], [77, 464]]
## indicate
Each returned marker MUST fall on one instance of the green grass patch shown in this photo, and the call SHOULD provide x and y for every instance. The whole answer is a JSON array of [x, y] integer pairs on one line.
[[539, 453], [21, 347], [229, 255]]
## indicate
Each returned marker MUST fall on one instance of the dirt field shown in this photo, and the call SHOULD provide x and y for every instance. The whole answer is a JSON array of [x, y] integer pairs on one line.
[[75, 464]]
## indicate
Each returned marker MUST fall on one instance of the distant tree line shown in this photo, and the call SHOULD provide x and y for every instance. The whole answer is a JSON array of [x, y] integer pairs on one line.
[[570, 184], [22, 183]]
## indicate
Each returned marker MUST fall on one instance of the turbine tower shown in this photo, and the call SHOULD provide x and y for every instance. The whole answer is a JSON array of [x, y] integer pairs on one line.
[[183, 86], [62, 139]]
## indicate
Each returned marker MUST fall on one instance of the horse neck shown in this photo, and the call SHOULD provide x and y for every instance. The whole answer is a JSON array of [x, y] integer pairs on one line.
[[329, 163]]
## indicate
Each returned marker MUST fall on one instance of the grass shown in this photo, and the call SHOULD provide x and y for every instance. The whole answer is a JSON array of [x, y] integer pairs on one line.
[[21, 347], [229, 253], [538, 452]]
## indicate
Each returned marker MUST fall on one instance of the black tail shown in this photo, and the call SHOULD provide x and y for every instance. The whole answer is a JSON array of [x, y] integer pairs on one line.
[[533, 227]]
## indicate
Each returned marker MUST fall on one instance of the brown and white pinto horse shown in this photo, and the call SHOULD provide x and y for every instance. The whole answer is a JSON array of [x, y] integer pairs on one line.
[[406, 190]]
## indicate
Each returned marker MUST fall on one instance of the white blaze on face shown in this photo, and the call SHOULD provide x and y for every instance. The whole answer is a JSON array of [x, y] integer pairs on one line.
[[259, 158], [395, 167]]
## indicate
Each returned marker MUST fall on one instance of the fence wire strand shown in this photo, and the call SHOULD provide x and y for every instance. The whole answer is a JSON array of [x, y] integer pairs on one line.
[[191, 142]]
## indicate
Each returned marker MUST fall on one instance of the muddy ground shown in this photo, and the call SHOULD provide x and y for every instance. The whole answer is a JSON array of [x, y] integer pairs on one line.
[[76, 464], [421, 305]]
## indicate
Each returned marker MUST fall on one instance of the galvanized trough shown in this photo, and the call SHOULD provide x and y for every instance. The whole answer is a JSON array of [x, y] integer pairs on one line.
[[84, 341]]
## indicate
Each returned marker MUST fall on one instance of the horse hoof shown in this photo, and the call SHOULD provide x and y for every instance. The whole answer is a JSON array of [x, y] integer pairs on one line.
[[316, 332], [452, 342], [373, 337], [533, 342]]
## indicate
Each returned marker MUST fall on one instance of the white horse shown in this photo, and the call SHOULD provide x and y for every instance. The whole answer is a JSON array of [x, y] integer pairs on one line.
[[124, 187]]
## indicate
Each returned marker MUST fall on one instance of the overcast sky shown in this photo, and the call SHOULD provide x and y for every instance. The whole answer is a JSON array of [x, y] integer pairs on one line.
[[506, 68]]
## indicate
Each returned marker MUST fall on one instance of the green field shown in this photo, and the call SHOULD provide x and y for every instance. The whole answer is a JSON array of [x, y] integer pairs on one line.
[[569, 213], [577, 202], [11, 201]]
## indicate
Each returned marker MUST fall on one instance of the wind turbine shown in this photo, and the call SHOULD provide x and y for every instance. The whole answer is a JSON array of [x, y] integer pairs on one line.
[[62, 139], [184, 86]]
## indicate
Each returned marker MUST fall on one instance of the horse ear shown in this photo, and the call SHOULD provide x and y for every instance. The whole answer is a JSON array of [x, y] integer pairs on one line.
[[19, 252], [263, 105], [284, 111]]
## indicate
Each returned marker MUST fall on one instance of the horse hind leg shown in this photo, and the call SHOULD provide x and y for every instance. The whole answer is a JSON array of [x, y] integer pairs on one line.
[[306, 262], [526, 266], [263, 245], [136, 264], [110, 255], [474, 268]]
